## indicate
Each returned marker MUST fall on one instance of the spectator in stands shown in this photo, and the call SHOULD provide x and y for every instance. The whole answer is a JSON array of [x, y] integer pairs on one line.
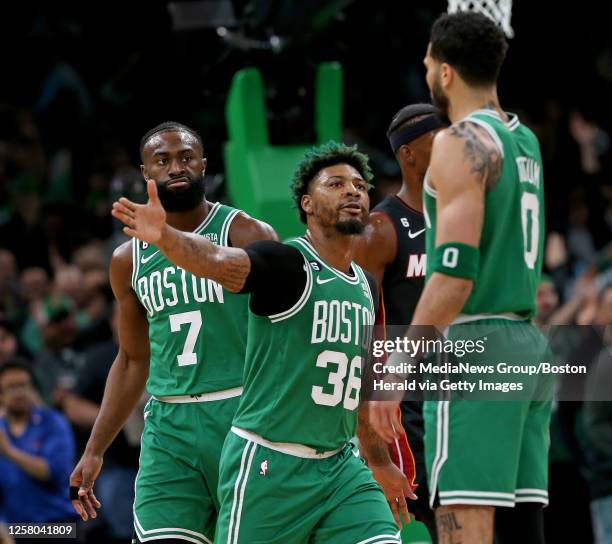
[[58, 363], [597, 419], [9, 343], [547, 301], [34, 286], [11, 306], [36, 453]]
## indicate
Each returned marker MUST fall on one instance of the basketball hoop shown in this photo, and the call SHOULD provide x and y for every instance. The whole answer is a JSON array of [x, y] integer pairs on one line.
[[498, 10]]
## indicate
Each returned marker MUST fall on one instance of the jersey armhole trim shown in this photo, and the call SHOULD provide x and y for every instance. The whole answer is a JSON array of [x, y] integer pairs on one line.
[[301, 301], [428, 188], [225, 228], [365, 278], [490, 130], [135, 261]]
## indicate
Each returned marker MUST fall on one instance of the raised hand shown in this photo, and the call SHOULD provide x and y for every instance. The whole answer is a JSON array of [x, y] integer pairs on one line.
[[143, 221]]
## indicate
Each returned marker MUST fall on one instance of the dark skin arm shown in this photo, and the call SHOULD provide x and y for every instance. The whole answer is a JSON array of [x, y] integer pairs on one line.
[[229, 266], [464, 163], [376, 248], [245, 230], [125, 383], [391, 479]]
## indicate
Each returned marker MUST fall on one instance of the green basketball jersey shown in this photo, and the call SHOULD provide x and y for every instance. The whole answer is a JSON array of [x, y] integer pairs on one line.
[[303, 366], [512, 238], [197, 329]]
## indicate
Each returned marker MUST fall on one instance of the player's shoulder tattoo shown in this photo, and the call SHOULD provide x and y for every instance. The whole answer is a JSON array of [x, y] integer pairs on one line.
[[479, 149]]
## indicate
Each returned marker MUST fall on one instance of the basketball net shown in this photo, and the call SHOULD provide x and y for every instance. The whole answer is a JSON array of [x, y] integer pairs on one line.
[[498, 10]]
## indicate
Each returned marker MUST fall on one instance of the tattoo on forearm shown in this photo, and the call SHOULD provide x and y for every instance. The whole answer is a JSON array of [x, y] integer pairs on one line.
[[197, 255], [482, 154], [376, 449], [235, 269]]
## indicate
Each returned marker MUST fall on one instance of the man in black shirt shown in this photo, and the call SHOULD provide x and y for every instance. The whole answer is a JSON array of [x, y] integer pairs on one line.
[[392, 248]]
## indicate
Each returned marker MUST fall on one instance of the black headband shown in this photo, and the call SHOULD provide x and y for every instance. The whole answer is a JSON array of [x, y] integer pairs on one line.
[[413, 131]]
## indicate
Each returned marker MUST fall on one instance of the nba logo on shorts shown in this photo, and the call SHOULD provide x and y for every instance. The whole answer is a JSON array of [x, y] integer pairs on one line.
[[263, 470]]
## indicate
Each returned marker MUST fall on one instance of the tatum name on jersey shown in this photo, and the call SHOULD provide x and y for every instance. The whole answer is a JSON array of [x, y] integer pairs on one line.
[[512, 239]]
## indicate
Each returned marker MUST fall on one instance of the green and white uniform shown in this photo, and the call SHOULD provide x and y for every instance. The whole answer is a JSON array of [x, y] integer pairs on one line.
[[289, 473], [495, 452], [197, 334]]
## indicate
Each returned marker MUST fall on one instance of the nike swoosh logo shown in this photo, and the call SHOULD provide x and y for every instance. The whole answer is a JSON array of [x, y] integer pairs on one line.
[[321, 282], [356, 453], [415, 234], [145, 260]]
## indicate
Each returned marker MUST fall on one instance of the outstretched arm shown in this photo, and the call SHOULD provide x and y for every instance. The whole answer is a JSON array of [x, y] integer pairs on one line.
[[228, 266]]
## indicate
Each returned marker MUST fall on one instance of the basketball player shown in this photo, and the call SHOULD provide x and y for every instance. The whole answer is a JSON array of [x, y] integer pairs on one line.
[[484, 210], [289, 473], [188, 335], [392, 248]]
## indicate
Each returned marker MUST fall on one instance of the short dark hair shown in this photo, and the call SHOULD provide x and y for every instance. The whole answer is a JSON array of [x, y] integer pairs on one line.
[[410, 114], [168, 126], [325, 155], [470, 42], [18, 363]]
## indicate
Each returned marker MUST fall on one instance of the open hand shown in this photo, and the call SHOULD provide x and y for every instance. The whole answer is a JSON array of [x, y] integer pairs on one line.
[[396, 488], [83, 476], [143, 221]]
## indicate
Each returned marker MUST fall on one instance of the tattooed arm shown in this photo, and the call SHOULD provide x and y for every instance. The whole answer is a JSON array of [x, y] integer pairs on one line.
[[391, 479], [465, 162], [228, 266]]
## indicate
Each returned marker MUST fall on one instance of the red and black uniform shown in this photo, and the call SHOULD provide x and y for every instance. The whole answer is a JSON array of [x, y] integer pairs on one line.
[[402, 286]]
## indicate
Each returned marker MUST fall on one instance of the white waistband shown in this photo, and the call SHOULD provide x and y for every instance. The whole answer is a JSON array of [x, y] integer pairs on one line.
[[467, 318], [203, 397], [297, 450]]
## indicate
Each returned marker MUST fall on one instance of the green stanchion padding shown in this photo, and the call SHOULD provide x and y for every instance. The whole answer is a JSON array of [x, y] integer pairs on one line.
[[259, 174]]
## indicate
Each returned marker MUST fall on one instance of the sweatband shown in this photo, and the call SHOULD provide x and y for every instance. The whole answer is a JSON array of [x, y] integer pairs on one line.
[[455, 259], [413, 131]]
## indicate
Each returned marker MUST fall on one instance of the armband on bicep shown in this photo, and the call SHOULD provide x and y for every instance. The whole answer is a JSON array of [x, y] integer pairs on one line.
[[455, 259]]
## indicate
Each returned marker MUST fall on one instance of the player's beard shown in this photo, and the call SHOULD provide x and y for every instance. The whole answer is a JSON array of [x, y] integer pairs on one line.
[[440, 100], [350, 226], [185, 199]]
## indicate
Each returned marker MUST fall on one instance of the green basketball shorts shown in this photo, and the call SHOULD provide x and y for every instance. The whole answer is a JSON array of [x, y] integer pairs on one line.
[[176, 485], [492, 452], [273, 497]]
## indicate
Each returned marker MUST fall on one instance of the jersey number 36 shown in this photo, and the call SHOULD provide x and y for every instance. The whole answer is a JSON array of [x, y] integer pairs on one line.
[[347, 394]]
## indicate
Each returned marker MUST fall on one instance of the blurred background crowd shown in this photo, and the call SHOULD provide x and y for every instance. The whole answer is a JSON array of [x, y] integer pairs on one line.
[[83, 84]]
